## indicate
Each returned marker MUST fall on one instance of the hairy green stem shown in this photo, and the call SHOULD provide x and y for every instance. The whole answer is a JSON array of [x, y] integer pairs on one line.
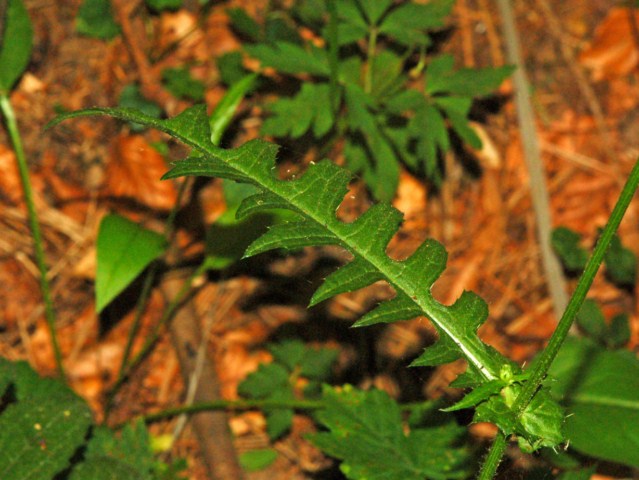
[[34, 225], [543, 363], [492, 461], [125, 368], [538, 374], [250, 404]]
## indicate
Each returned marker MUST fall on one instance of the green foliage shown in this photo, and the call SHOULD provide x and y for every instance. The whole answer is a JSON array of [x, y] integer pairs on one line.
[[621, 262], [360, 93], [179, 82], [15, 45], [225, 110], [314, 198], [566, 244], [365, 431], [160, 5], [124, 249], [43, 426], [600, 389], [95, 19], [276, 381]]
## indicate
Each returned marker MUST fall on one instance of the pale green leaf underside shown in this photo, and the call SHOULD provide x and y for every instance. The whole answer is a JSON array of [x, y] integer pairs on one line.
[[315, 196]]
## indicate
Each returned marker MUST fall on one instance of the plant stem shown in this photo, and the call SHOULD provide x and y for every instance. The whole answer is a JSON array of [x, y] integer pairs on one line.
[[250, 404], [125, 368], [14, 133], [538, 374], [370, 56], [150, 342], [492, 461], [333, 52], [546, 358]]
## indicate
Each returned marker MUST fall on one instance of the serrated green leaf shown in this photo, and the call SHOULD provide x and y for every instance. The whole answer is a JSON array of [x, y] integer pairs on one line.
[[15, 45], [366, 433], [600, 390], [315, 196], [469, 82], [407, 22], [476, 396], [566, 245], [95, 19], [124, 249], [42, 428], [290, 58]]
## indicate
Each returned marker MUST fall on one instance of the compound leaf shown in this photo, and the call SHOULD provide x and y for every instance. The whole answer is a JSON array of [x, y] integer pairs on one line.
[[366, 433], [315, 197]]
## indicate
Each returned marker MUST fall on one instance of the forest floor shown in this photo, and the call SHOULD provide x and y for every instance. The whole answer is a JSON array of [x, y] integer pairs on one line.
[[585, 92]]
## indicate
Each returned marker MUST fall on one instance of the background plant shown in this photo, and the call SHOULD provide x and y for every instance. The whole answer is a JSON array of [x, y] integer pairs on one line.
[[368, 78]]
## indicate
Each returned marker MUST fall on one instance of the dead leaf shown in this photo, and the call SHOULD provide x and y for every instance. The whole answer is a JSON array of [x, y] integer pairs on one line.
[[613, 51], [10, 187], [134, 171]]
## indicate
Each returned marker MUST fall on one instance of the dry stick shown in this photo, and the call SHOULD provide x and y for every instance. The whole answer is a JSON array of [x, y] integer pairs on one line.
[[149, 83], [582, 82], [538, 190], [212, 427]]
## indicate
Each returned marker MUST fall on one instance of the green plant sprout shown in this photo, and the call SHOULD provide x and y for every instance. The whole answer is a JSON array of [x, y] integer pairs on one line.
[[16, 42]]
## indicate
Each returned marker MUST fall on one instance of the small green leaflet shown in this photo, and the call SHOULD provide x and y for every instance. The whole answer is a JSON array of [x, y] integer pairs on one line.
[[124, 249], [95, 19], [15, 45]]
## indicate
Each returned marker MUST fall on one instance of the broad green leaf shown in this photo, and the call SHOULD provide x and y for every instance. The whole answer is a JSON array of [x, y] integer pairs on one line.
[[600, 390], [366, 433], [231, 68], [42, 429], [225, 110], [408, 22], [254, 460], [566, 244], [15, 45], [179, 82], [124, 249], [290, 58], [387, 78], [95, 19], [621, 264]]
